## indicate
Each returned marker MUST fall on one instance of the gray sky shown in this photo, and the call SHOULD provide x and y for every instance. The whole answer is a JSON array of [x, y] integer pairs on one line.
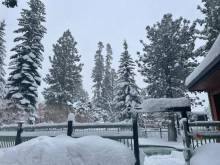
[[91, 21]]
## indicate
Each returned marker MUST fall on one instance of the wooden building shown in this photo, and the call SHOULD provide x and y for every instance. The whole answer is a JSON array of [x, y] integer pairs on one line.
[[206, 77]]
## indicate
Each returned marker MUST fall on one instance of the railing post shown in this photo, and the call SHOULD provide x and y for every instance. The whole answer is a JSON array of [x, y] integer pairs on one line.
[[71, 119], [135, 137], [18, 139], [186, 140], [161, 133]]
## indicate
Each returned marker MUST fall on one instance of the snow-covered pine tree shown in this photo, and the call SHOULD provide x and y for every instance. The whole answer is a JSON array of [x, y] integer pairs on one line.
[[107, 84], [167, 59], [114, 78], [10, 3], [64, 79], [127, 92], [24, 77], [97, 76], [2, 57], [210, 22]]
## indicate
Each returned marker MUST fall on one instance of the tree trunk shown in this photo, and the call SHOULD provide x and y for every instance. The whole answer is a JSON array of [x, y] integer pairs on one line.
[[172, 133]]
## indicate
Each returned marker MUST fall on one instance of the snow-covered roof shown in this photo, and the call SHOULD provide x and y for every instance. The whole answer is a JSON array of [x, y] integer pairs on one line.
[[163, 104], [211, 59]]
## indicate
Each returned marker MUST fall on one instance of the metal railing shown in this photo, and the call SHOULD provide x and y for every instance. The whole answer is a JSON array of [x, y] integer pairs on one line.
[[196, 134]]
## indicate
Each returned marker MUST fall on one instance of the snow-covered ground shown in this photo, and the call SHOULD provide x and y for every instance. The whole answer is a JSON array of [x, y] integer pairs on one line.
[[160, 142], [206, 154], [175, 158], [88, 150]]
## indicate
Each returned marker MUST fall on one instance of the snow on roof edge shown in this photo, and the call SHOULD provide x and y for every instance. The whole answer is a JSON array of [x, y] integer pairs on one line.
[[211, 57]]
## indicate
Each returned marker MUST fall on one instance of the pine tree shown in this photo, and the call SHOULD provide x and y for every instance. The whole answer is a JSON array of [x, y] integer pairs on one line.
[[24, 77], [107, 82], [210, 22], [114, 78], [127, 92], [168, 57], [10, 3], [2, 57], [64, 78], [97, 76]]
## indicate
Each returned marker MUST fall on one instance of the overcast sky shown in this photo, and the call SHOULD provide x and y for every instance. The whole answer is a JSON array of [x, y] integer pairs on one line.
[[90, 21]]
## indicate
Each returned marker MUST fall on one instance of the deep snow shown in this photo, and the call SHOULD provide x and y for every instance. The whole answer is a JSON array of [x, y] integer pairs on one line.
[[64, 150], [207, 154]]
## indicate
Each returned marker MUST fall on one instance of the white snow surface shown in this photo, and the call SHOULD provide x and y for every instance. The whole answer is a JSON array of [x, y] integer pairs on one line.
[[160, 142], [176, 158], [161, 104], [211, 57], [207, 154], [63, 150]]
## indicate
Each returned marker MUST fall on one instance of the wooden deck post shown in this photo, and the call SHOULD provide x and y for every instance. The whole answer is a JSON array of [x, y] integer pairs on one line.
[[18, 139], [186, 141], [135, 137]]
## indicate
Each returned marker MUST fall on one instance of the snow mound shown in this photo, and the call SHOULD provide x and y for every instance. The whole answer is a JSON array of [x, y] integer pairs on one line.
[[88, 150], [206, 154], [162, 104]]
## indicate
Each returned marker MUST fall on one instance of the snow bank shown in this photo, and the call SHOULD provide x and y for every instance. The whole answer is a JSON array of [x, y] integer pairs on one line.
[[206, 154], [161, 104], [211, 58], [63, 150]]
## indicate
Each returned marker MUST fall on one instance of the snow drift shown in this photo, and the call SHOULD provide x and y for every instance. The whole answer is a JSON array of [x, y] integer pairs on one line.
[[88, 150]]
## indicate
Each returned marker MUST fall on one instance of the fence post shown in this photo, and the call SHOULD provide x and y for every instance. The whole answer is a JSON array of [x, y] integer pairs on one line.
[[18, 139], [71, 119], [135, 137], [186, 140], [161, 133]]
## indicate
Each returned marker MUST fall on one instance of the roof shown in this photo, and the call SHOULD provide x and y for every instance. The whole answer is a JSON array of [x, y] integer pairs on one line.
[[165, 105], [208, 63]]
